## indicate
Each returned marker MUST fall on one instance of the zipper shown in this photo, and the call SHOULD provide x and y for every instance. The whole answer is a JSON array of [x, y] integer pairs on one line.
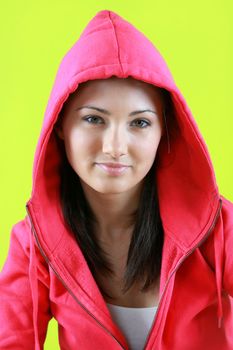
[[177, 267], [62, 281], [164, 289]]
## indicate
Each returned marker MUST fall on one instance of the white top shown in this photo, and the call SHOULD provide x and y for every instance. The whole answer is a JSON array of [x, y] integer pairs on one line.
[[135, 323]]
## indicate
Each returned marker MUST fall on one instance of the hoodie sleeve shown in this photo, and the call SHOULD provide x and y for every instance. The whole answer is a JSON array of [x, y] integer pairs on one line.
[[17, 330]]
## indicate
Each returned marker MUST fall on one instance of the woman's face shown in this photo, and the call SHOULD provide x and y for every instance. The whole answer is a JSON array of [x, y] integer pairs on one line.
[[113, 130]]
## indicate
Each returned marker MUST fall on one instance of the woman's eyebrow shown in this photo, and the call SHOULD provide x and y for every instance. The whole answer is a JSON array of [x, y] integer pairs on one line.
[[102, 110]]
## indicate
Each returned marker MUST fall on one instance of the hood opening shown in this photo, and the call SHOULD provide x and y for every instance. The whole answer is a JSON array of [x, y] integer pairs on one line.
[[187, 189]]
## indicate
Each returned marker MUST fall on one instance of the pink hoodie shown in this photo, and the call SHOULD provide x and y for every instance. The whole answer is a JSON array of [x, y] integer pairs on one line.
[[46, 275]]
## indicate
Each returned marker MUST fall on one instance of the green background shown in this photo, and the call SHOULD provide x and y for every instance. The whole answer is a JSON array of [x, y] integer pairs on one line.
[[195, 38]]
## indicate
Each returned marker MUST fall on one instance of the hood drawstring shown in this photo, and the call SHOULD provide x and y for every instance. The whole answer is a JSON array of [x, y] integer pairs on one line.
[[219, 259], [34, 288]]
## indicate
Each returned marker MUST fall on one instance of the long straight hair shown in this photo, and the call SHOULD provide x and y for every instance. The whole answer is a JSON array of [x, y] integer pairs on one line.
[[145, 249]]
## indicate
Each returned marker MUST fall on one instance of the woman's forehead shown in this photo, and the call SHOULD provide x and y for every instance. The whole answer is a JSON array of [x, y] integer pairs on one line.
[[102, 88], [116, 81]]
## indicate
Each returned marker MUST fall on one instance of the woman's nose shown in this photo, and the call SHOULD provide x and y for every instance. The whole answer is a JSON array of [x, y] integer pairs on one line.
[[115, 142]]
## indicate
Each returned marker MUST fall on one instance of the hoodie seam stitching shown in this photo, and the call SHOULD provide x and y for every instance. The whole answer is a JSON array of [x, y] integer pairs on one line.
[[42, 242], [117, 44], [185, 248], [70, 281]]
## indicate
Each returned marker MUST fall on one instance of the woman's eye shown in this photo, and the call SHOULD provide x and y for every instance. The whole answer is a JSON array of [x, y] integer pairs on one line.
[[146, 123], [93, 118]]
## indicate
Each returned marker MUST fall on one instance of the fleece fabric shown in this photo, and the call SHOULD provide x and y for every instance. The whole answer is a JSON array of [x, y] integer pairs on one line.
[[46, 275]]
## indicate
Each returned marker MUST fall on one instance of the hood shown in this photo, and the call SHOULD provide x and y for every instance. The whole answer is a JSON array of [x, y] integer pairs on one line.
[[187, 190], [185, 175]]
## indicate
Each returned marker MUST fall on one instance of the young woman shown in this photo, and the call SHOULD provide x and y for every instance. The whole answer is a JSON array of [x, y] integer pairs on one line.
[[126, 241]]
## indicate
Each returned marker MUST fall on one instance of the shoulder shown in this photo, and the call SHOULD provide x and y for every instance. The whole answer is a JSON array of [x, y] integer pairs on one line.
[[22, 240], [221, 235], [227, 210], [227, 219], [227, 229], [20, 234]]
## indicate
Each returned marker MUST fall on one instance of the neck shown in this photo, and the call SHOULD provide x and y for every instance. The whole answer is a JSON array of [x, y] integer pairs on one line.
[[114, 212]]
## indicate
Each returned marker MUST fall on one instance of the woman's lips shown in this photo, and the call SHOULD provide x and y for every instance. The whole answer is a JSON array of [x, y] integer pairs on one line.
[[113, 171]]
